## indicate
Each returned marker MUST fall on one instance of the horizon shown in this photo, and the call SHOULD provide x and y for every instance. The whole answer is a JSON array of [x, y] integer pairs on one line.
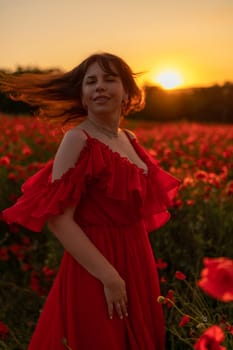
[[142, 84]]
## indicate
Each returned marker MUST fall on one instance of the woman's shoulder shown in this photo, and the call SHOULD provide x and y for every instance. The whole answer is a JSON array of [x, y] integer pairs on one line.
[[68, 152], [73, 140], [76, 133]]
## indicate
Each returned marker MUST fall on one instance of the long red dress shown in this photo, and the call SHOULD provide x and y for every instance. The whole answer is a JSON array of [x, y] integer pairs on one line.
[[117, 204]]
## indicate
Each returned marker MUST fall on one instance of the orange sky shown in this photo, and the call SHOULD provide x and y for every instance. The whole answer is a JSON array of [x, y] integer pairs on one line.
[[192, 37]]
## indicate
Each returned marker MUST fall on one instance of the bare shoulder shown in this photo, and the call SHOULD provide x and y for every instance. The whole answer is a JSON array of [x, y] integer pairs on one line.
[[131, 134], [68, 151]]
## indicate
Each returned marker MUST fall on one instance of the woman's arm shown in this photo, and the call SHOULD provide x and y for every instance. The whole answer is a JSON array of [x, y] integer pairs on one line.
[[75, 241]]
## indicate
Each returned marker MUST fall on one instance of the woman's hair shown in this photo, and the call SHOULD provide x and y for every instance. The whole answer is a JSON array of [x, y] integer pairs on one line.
[[58, 96]]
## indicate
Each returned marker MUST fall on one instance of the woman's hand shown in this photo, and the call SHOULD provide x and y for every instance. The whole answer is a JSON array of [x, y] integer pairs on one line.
[[116, 296]]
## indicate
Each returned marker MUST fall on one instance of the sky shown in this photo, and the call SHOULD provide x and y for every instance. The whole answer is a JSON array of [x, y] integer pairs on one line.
[[194, 38]]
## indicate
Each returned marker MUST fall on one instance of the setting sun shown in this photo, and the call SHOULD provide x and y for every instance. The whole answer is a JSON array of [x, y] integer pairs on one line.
[[168, 79]]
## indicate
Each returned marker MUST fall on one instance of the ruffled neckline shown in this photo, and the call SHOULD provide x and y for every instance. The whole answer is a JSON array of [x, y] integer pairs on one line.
[[122, 158]]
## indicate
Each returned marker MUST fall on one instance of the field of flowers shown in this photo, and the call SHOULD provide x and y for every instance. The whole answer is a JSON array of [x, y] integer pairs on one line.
[[193, 251]]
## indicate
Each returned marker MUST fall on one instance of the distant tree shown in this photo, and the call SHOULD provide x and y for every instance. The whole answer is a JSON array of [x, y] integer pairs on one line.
[[214, 103]]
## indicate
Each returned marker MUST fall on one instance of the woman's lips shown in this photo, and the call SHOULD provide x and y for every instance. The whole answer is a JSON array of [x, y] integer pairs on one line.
[[101, 99]]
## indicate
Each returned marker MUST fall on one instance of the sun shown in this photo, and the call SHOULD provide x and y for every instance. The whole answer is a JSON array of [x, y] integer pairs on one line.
[[168, 79]]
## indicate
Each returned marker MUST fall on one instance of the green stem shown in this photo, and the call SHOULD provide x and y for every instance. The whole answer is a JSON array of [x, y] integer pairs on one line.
[[12, 334], [3, 344], [4, 238], [183, 313], [13, 285]]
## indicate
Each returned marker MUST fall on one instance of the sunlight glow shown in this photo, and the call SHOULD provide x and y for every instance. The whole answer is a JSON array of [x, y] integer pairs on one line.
[[168, 79]]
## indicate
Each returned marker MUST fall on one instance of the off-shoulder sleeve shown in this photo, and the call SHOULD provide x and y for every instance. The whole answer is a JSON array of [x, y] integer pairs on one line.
[[161, 191], [41, 198], [163, 188]]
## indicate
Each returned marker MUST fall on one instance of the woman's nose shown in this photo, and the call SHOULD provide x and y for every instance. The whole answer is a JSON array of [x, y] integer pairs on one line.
[[100, 86]]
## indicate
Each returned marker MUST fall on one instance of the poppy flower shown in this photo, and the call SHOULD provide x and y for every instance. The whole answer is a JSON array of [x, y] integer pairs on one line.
[[4, 160], [161, 264], [48, 272], [3, 330], [184, 320], [180, 275], [4, 256], [26, 151], [217, 278], [169, 299], [211, 339], [201, 175]]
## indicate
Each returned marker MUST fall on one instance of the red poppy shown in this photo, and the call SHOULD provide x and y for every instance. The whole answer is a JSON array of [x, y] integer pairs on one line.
[[12, 176], [26, 151], [229, 190], [161, 264], [4, 256], [163, 279], [48, 272], [184, 320], [217, 278], [169, 299], [3, 330], [17, 250], [180, 275], [229, 328], [178, 203], [4, 160], [211, 339], [201, 175], [190, 202]]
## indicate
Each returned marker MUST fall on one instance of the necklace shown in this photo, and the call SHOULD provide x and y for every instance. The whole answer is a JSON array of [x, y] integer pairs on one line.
[[106, 131]]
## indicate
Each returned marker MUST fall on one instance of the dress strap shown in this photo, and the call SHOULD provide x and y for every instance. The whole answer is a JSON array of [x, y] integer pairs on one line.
[[127, 132], [86, 133], [130, 135]]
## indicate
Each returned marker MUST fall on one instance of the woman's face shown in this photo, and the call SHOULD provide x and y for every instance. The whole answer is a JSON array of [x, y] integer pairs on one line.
[[102, 92]]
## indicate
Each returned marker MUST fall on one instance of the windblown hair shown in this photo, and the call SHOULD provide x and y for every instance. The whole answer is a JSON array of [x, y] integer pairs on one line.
[[58, 96]]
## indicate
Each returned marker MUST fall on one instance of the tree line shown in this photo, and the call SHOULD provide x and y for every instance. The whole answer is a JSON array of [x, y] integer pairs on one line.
[[201, 104]]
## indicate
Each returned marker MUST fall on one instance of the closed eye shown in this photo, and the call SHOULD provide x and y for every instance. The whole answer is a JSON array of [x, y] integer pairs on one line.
[[111, 77], [107, 77], [89, 82]]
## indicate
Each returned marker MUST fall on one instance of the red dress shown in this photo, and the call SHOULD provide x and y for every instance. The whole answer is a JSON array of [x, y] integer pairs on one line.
[[117, 204]]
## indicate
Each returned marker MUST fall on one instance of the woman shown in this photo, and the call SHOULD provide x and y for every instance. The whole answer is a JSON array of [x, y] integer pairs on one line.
[[101, 195]]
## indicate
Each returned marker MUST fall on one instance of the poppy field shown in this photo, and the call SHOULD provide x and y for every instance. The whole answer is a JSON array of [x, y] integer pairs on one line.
[[193, 251]]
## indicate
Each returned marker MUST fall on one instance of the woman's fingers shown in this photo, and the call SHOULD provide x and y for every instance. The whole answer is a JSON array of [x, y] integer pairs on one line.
[[118, 307], [121, 308], [110, 309], [124, 306], [116, 297]]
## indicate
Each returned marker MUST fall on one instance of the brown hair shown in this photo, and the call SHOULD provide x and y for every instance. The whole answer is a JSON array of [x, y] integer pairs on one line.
[[58, 96]]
